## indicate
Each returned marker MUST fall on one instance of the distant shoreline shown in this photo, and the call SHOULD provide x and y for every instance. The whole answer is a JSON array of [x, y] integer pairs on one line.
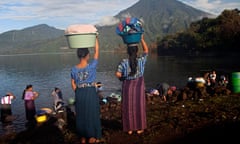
[[45, 53]]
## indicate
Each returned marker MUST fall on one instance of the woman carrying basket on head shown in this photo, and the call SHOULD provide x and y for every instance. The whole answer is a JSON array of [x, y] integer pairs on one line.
[[130, 71]]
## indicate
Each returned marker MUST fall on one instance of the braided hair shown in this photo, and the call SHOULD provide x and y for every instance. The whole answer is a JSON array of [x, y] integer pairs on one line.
[[132, 52]]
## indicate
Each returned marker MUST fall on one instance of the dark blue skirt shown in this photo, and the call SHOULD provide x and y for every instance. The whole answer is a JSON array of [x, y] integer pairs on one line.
[[87, 107]]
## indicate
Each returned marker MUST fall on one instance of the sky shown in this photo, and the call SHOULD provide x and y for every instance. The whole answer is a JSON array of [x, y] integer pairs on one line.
[[19, 14]]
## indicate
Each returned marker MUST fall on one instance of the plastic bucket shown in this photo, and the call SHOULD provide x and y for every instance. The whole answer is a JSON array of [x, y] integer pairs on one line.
[[131, 38], [41, 116], [87, 40], [236, 82], [41, 119]]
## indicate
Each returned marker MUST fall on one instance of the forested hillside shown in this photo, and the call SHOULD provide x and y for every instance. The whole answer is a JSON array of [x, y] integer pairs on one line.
[[209, 37]]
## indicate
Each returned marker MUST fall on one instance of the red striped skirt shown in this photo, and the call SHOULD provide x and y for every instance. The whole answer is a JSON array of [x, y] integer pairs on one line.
[[134, 105]]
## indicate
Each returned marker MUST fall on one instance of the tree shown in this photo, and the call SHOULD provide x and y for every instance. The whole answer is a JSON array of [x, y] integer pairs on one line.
[[215, 36]]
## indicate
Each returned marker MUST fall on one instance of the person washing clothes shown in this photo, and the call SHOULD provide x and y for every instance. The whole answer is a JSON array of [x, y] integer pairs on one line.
[[29, 96], [57, 99], [165, 90], [6, 110]]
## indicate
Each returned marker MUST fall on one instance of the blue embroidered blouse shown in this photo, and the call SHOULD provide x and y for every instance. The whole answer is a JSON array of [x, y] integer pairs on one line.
[[125, 69], [85, 75]]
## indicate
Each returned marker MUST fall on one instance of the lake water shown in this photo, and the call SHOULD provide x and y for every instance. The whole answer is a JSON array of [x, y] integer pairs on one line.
[[46, 71]]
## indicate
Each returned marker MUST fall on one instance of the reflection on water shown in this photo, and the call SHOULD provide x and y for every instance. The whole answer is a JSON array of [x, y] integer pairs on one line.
[[47, 71]]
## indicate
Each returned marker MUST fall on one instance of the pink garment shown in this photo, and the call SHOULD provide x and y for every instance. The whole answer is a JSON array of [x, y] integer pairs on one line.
[[80, 29], [29, 95]]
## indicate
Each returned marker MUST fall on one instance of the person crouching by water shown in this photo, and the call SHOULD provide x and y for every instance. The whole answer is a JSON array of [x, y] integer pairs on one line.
[[130, 71], [87, 107], [165, 91], [6, 110], [29, 97], [57, 99]]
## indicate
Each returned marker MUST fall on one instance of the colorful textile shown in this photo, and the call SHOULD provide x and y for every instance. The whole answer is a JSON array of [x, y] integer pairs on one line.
[[124, 67], [87, 113], [134, 105], [129, 25]]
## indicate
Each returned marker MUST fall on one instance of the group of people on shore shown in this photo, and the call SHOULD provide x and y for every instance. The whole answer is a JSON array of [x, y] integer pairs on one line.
[[209, 84], [130, 72], [28, 96], [210, 81]]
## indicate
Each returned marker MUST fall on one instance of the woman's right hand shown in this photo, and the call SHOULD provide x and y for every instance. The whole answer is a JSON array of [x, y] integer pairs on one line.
[[35, 95]]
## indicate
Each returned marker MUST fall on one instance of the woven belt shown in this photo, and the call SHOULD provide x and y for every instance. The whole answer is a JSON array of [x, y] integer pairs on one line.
[[83, 85]]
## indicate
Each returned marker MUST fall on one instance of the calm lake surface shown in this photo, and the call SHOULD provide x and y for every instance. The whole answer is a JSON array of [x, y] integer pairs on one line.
[[46, 71]]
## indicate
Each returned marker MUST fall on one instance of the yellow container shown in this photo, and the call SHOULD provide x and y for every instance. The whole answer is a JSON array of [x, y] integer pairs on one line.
[[41, 118], [87, 40]]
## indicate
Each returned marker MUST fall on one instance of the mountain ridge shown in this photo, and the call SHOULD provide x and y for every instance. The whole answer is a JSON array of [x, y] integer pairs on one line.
[[161, 17]]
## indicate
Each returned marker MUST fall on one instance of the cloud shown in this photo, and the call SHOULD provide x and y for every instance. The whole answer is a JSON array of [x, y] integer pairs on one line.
[[61, 13], [88, 10], [108, 21], [15, 14]]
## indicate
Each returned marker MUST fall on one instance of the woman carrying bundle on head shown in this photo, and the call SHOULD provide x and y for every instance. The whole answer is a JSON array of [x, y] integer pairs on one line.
[[130, 71]]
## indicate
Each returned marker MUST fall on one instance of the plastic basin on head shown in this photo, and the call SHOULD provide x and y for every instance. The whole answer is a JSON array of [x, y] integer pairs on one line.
[[87, 40], [131, 38]]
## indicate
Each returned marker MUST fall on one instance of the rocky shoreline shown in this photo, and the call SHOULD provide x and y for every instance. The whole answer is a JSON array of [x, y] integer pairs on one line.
[[208, 119]]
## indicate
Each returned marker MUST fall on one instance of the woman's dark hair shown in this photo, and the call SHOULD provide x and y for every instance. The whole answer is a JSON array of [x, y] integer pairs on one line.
[[24, 91], [132, 52], [59, 93], [82, 52], [28, 86]]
